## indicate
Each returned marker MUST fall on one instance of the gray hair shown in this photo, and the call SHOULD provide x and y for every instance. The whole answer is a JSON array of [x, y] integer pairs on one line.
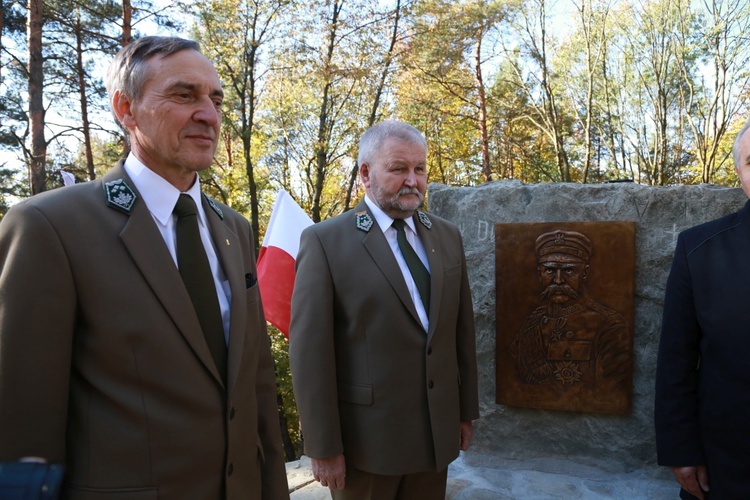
[[127, 72], [736, 146], [373, 138]]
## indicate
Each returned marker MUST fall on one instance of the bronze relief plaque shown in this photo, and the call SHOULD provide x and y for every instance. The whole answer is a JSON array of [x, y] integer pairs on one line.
[[564, 315]]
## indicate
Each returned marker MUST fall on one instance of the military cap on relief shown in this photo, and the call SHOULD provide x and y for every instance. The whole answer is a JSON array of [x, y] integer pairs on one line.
[[568, 243]]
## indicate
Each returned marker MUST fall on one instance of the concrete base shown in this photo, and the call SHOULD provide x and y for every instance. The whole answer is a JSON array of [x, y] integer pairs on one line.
[[522, 480]]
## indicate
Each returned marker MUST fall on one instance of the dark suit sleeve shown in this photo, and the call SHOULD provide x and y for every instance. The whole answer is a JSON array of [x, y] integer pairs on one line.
[[311, 350], [37, 315], [676, 406], [466, 351]]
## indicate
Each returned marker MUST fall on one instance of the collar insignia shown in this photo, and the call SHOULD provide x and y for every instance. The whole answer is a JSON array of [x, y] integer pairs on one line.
[[426, 222], [214, 206], [364, 221], [120, 195]]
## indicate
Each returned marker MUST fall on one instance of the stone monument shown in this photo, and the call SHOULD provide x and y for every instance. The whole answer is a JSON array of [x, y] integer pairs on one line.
[[550, 440]]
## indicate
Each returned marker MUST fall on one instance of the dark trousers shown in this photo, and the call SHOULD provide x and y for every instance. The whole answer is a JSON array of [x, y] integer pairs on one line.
[[361, 485]]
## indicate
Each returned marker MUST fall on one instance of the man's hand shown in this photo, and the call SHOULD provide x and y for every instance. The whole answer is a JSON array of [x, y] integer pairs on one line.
[[694, 480], [329, 471], [466, 431]]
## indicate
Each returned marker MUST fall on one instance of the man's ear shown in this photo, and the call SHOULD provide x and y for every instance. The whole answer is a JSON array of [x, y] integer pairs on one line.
[[364, 174], [122, 108]]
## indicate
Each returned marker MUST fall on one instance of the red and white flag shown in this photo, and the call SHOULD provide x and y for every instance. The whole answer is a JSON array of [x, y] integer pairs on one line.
[[276, 259]]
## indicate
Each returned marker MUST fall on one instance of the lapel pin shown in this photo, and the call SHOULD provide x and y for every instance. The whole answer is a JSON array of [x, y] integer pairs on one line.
[[426, 222], [120, 195], [214, 206], [364, 221], [228, 243]]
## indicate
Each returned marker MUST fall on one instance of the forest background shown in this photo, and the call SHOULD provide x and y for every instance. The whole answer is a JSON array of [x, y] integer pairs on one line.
[[646, 91]]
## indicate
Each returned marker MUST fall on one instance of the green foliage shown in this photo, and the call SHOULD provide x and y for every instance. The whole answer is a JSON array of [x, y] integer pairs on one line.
[[13, 110], [11, 189], [317, 98], [78, 40], [641, 90], [443, 84]]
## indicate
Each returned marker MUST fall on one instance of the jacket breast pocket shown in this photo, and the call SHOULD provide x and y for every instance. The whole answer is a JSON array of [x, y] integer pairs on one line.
[[358, 394]]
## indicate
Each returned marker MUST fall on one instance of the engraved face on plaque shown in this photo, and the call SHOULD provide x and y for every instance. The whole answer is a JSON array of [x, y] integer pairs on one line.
[[565, 315]]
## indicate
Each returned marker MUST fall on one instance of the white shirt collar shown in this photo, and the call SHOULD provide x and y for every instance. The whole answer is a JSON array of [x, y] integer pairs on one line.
[[159, 195], [384, 220]]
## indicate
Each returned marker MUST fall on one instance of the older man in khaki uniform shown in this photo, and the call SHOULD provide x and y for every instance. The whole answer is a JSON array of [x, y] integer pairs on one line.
[[382, 334]]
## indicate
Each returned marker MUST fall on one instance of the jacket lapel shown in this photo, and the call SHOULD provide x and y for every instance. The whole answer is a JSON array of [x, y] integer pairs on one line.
[[142, 239], [229, 251]]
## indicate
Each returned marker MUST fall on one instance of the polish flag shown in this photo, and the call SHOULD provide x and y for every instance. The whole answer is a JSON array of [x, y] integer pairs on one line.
[[276, 259]]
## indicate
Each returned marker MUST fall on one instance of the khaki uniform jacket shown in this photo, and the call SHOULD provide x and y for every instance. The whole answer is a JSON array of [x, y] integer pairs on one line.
[[369, 381], [103, 364]]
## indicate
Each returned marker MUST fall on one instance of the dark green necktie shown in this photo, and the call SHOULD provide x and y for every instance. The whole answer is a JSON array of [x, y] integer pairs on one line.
[[196, 273], [418, 270]]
